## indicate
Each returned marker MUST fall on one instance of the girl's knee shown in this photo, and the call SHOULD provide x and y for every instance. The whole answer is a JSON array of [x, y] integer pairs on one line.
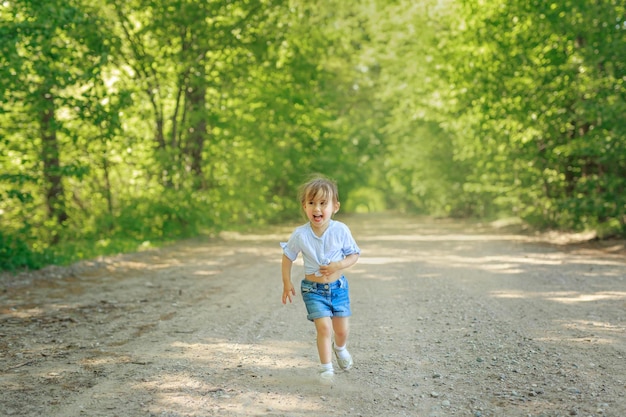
[[340, 327], [325, 330], [323, 327], [341, 333]]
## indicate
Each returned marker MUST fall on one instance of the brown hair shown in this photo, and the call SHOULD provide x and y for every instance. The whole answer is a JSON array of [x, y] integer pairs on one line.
[[318, 185]]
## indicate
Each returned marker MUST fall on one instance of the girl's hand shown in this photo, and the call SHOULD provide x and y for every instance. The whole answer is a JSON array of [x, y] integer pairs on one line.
[[288, 292], [328, 270]]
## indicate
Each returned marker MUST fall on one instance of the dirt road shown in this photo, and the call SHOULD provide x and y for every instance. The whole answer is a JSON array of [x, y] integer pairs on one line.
[[450, 319]]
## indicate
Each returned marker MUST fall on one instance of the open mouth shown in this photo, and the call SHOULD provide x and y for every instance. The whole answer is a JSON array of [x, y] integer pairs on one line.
[[317, 218]]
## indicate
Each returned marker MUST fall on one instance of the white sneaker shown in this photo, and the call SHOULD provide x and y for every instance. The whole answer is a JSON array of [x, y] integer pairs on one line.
[[344, 362], [327, 377]]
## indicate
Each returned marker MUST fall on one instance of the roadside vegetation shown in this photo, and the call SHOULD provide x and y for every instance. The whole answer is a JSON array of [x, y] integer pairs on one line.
[[127, 124]]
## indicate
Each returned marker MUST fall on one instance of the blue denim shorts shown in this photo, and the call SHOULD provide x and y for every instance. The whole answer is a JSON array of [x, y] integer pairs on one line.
[[326, 300]]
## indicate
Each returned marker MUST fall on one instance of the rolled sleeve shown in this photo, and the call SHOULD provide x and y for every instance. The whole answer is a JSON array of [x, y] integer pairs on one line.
[[288, 251], [351, 250]]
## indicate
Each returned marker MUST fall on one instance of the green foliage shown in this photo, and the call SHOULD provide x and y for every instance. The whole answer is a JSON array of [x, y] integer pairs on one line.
[[15, 253], [170, 215], [529, 98], [124, 122]]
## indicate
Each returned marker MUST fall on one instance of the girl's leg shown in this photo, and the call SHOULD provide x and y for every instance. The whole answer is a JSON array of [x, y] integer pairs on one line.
[[324, 328], [342, 329]]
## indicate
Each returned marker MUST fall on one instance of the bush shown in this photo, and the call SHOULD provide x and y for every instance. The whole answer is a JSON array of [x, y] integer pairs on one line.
[[15, 254]]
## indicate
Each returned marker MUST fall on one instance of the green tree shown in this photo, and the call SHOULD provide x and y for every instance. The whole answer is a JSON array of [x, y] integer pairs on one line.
[[50, 55], [543, 89]]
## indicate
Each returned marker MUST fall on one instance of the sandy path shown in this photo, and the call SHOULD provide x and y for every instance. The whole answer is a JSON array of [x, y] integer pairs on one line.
[[449, 319]]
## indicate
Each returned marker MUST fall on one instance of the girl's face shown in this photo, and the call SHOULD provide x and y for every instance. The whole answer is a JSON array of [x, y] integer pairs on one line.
[[319, 209]]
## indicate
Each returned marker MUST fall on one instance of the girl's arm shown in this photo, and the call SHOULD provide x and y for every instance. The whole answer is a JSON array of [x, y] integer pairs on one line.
[[288, 290], [333, 267]]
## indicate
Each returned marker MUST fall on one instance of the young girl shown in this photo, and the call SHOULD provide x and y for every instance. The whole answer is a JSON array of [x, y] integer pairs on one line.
[[327, 248]]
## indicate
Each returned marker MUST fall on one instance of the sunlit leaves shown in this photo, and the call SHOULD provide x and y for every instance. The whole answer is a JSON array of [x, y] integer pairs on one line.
[[170, 116]]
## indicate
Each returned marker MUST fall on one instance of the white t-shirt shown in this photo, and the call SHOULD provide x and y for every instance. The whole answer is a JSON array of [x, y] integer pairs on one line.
[[335, 244]]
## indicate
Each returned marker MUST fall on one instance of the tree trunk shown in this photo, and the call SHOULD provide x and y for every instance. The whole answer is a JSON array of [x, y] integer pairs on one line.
[[55, 193], [195, 99]]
